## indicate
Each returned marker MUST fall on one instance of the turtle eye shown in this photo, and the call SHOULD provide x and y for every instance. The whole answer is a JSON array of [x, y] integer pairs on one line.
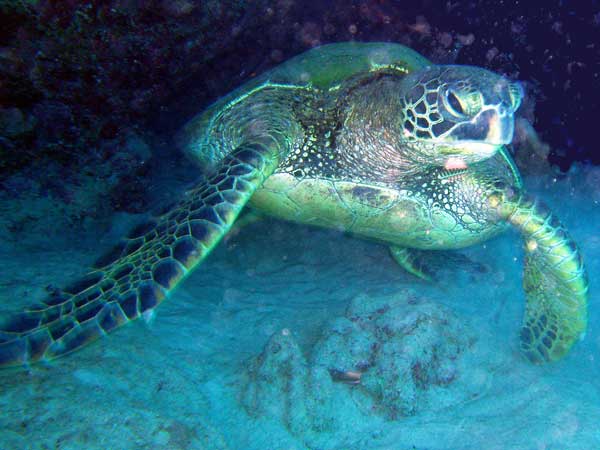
[[454, 104]]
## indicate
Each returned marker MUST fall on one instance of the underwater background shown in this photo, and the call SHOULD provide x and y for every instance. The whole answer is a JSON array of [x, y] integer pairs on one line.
[[92, 94]]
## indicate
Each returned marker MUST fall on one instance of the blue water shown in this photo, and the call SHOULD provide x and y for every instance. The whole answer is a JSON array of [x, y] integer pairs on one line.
[[190, 378]]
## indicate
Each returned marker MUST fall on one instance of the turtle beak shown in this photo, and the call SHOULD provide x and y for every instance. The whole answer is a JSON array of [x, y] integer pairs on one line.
[[493, 125], [472, 151], [501, 126]]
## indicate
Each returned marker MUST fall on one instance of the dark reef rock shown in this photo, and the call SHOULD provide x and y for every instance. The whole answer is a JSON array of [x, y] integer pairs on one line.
[[91, 70], [88, 70], [79, 78], [13, 123], [531, 154]]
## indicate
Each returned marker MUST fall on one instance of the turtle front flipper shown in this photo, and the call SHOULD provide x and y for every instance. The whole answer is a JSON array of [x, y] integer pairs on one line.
[[139, 273], [555, 280]]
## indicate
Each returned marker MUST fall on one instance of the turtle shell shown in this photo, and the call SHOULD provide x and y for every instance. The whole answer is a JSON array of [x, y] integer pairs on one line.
[[326, 66], [322, 68]]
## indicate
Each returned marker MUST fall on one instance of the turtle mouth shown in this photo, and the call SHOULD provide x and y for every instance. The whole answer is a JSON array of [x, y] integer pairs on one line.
[[470, 151], [492, 126]]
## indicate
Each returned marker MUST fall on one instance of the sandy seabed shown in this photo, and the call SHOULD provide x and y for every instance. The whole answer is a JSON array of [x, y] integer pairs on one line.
[[177, 382]]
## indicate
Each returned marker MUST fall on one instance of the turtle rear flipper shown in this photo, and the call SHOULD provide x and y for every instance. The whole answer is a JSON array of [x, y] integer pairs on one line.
[[555, 280], [434, 265], [411, 260], [143, 269]]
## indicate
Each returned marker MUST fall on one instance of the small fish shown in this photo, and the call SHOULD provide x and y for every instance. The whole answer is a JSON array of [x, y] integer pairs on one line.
[[345, 376]]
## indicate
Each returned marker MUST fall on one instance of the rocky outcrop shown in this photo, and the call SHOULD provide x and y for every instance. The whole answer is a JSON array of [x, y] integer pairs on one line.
[[385, 359]]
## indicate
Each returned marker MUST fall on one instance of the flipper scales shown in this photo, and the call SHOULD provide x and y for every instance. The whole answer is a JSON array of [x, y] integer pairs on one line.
[[555, 281], [139, 273]]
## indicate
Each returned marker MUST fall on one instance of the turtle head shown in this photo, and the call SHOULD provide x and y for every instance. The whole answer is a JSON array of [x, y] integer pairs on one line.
[[459, 112]]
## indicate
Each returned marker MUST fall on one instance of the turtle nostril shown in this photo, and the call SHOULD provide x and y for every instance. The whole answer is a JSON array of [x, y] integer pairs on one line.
[[503, 110]]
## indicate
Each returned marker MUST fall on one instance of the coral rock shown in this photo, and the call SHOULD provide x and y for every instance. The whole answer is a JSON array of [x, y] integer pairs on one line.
[[387, 358]]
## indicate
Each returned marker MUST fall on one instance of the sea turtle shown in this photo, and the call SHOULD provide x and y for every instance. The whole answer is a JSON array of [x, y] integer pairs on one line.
[[369, 138]]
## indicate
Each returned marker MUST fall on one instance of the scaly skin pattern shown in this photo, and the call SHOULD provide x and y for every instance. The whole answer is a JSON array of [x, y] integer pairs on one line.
[[555, 280], [436, 209], [136, 275], [354, 137]]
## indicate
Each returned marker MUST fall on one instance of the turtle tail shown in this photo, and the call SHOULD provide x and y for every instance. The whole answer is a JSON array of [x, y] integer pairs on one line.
[[554, 280], [140, 272]]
